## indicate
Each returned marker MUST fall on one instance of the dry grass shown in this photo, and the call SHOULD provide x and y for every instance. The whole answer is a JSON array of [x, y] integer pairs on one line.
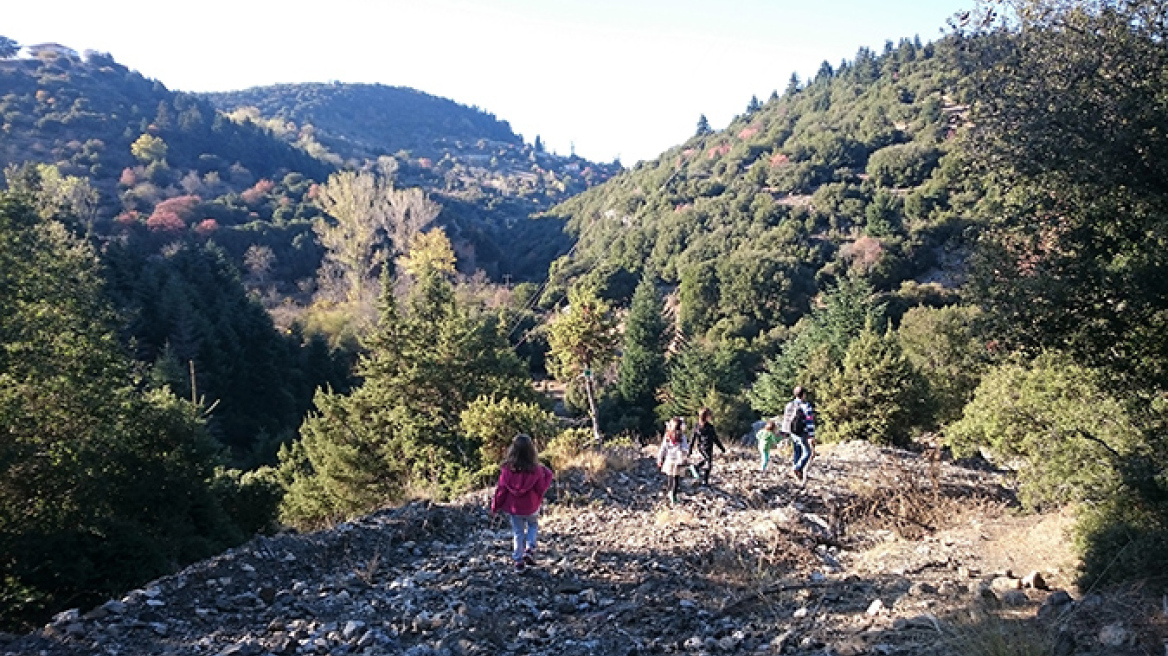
[[597, 463], [995, 636], [756, 562], [908, 500], [368, 572]]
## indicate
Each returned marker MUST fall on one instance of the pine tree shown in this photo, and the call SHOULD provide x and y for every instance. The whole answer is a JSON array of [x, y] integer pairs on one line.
[[401, 429], [642, 365], [102, 486], [703, 126], [817, 349], [876, 396]]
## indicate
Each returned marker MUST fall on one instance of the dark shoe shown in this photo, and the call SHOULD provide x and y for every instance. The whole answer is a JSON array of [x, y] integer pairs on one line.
[[520, 567], [529, 558]]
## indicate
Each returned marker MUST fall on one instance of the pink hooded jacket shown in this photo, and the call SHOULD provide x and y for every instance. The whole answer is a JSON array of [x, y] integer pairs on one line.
[[521, 493]]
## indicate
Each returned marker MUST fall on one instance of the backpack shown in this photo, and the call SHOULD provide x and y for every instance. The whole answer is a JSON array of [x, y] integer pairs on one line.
[[794, 419]]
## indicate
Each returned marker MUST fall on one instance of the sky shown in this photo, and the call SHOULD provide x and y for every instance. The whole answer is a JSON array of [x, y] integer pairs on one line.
[[606, 79]]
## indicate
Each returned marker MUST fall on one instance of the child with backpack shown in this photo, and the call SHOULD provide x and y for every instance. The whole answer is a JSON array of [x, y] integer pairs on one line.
[[766, 439], [671, 457], [522, 483], [705, 438], [799, 424]]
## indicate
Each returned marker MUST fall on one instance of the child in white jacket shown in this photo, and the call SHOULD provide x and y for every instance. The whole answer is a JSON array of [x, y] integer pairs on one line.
[[671, 457]]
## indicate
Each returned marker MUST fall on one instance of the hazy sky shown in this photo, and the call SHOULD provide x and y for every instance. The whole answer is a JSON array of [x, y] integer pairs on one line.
[[617, 78]]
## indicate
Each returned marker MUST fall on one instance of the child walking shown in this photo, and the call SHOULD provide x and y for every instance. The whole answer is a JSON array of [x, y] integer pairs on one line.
[[766, 439], [671, 457], [705, 439], [522, 484]]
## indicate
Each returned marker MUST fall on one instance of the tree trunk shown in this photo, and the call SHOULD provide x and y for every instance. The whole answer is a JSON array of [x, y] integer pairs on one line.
[[592, 409]]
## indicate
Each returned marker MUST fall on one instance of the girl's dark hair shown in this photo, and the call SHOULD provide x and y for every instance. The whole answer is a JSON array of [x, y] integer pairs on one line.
[[521, 456], [704, 416]]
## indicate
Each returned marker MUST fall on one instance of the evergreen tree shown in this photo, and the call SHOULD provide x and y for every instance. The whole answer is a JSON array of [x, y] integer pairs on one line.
[[792, 85], [704, 373], [401, 429], [8, 47], [102, 486], [821, 340], [877, 396], [642, 364], [703, 126]]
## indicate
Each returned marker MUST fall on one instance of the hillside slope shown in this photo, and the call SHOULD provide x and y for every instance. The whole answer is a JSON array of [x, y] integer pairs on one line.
[[85, 114], [852, 171], [882, 552], [370, 120]]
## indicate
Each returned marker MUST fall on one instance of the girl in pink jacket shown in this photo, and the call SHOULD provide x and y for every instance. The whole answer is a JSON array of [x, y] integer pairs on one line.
[[522, 484]]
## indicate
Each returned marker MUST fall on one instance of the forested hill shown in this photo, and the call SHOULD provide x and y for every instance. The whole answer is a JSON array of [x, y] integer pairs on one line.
[[244, 178], [848, 171], [94, 118], [369, 120]]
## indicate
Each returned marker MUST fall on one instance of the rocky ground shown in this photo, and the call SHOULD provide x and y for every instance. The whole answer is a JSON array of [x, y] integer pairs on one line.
[[880, 552]]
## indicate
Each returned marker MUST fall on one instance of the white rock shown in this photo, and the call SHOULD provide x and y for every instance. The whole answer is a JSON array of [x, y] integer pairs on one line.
[[1114, 635], [1034, 580], [351, 628]]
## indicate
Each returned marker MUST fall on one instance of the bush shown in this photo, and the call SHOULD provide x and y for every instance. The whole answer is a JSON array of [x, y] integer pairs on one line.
[[944, 346], [903, 165], [495, 423], [565, 447], [1073, 441], [1123, 538], [1054, 422]]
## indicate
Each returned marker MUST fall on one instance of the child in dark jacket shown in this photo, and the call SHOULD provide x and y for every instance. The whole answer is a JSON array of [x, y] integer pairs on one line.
[[522, 484], [705, 439]]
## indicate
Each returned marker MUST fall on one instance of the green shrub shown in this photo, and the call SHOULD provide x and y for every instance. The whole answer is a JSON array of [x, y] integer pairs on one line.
[[1054, 422], [903, 165], [566, 446], [1072, 440], [494, 423]]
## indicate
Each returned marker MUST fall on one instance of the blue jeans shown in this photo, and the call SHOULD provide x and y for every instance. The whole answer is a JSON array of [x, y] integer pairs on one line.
[[523, 530], [801, 451]]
